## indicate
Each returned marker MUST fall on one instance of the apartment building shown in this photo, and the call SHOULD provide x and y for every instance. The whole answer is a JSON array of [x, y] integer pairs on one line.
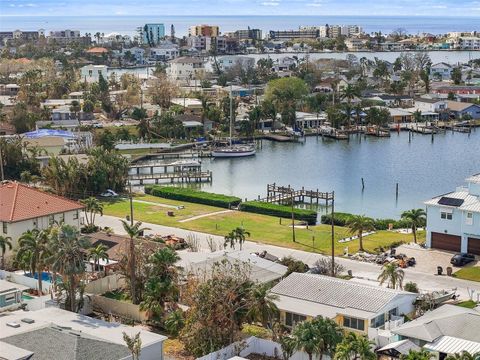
[[66, 37], [204, 30], [249, 34], [151, 34], [293, 34]]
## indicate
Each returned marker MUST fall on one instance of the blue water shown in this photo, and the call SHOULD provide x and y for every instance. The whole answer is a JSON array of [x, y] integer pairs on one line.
[[46, 276], [128, 24]]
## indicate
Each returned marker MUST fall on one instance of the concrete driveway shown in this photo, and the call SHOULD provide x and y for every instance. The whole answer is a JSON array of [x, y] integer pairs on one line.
[[427, 259]]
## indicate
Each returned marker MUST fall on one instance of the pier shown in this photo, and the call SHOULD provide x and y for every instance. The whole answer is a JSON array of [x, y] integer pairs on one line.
[[287, 194]]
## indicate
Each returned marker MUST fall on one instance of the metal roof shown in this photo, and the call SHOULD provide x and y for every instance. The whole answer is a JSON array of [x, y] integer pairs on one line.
[[338, 293], [474, 179], [453, 345], [470, 202], [402, 346]]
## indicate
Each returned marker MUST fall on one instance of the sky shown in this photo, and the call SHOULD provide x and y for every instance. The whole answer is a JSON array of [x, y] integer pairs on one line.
[[467, 8]]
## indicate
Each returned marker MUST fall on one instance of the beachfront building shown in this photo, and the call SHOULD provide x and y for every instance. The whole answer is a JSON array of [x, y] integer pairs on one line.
[[6, 36], [285, 35], [464, 42], [448, 330], [92, 73], [151, 34], [249, 34], [441, 71], [204, 30], [431, 105], [48, 333], [453, 219], [185, 69], [66, 37], [354, 306], [23, 208]]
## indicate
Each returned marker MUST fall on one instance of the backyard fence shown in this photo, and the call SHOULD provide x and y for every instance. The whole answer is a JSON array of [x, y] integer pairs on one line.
[[105, 284], [118, 308]]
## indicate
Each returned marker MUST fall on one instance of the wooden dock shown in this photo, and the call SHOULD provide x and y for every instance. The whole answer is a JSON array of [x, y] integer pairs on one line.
[[287, 194], [183, 177], [279, 138]]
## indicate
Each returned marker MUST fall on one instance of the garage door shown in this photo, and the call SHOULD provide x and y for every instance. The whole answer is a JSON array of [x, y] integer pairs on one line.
[[446, 242], [474, 246]]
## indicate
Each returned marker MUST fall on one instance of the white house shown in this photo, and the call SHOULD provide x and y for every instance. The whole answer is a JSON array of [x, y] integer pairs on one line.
[[164, 52], [430, 105], [453, 219], [447, 330], [48, 333], [185, 69], [354, 306], [91, 73], [228, 61], [441, 71], [25, 208]]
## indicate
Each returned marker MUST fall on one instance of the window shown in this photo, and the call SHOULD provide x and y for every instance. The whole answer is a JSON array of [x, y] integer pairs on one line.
[[378, 321], [75, 215], [5, 228], [35, 223], [469, 219], [292, 319], [10, 298], [354, 323], [51, 219], [62, 218], [90, 72], [446, 215]]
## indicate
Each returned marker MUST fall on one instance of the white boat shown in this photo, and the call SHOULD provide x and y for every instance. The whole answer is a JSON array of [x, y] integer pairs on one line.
[[231, 150], [234, 151]]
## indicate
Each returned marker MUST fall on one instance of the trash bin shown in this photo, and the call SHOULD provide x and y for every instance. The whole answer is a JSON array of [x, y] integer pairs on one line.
[[393, 251], [449, 271], [439, 270], [350, 273]]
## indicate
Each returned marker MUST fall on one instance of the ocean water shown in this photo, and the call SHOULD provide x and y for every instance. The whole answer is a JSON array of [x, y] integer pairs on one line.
[[128, 24]]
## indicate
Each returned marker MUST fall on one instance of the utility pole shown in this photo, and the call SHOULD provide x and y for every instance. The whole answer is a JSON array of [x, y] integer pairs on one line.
[[333, 234], [293, 215], [2, 175], [131, 203]]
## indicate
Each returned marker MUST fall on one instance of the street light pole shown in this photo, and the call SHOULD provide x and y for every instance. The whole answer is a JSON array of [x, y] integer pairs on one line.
[[293, 216], [333, 234]]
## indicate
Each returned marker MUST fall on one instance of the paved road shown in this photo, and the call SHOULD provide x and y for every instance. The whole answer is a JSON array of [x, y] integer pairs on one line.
[[365, 272]]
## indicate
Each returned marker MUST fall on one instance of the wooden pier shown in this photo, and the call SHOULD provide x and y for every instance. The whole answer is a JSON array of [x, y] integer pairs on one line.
[[183, 177], [279, 138], [285, 195]]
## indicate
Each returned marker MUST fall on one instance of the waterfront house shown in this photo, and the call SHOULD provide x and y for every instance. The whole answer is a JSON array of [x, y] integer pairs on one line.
[[354, 306], [185, 69], [453, 219], [447, 330], [441, 71], [227, 62], [398, 115], [23, 208], [463, 110], [430, 105], [92, 73], [190, 106], [10, 295], [164, 52], [309, 120], [45, 334]]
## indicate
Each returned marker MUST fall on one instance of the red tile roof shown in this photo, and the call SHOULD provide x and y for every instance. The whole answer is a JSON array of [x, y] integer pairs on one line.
[[21, 202]]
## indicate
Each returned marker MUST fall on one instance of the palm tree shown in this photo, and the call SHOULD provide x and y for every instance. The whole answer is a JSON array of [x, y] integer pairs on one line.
[[288, 345], [96, 254], [417, 355], [68, 260], [134, 344], [416, 218], [33, 246], [92, 208], [358, 224], [133, 231], [393, 275], [355, 347], [5, 242], [238, 234], [175, 322], [464, 355], [263, 308]]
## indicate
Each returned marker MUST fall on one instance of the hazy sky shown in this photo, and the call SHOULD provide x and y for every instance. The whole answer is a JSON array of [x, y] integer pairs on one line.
[[470, 8]]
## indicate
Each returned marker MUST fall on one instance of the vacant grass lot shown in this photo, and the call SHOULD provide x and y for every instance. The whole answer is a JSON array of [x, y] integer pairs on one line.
[[264, 229]]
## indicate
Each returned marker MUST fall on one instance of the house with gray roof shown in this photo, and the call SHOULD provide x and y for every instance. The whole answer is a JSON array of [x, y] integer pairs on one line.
[[450, 329], [354, 306]]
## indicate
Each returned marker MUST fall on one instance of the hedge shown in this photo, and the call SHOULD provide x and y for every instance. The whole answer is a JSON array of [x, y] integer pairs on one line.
[[310, 216], [341, 219], [191, 195]]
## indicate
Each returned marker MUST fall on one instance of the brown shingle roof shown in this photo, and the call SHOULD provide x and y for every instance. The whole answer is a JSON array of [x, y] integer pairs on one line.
[[21, 202]]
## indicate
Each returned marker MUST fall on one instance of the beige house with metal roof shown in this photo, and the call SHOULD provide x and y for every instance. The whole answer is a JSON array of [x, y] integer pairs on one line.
[[354, 306]]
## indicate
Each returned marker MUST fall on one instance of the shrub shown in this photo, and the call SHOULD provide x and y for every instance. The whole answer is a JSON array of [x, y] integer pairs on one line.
[[294, 265], [258, 207], [411, 287], [341, 219], [194, 196]]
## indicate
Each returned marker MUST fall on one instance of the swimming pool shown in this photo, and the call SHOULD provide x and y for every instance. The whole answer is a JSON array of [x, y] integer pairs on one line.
[[46, 276], [27, 297]]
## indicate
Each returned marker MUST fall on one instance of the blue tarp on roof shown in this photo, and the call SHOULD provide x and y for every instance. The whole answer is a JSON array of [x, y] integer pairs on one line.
[[48, 132]]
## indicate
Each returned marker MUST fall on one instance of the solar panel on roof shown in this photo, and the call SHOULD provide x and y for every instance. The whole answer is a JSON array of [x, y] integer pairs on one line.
[[444, 200]]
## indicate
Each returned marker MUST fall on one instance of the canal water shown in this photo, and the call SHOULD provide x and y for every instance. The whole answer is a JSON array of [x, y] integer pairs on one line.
[[422, 169]]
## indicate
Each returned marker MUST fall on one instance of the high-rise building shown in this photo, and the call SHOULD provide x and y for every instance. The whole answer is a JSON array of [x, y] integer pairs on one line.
[[151, 34], [249, 34], [204, 30]]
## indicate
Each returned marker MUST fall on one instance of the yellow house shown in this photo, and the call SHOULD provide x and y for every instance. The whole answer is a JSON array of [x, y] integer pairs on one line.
[[354, 306]]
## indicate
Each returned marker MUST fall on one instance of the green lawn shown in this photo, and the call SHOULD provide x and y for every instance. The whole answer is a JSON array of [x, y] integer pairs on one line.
[[469, 273], [264, 229], [469, 304]]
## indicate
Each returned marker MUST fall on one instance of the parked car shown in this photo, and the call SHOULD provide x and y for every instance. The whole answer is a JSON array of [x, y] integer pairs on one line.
[[109, 193], [462, 259]]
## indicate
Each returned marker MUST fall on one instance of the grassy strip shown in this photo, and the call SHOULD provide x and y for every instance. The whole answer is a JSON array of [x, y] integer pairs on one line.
[[191, 195], [258, 207], [469, 304], [469, 273]]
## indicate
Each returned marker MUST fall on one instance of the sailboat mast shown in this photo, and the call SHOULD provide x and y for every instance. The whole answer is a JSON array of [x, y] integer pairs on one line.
[[231, 115]]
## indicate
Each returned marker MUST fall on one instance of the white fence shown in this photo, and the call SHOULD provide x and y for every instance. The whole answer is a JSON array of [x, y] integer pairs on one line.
[[107, 283], [118, 308], [254, 345], [25, 281]]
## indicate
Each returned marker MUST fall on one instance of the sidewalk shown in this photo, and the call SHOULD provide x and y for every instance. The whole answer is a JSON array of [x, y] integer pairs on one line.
[[364, 271]]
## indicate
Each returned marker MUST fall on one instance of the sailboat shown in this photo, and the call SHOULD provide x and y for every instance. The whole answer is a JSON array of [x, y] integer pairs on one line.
[[237, 150]]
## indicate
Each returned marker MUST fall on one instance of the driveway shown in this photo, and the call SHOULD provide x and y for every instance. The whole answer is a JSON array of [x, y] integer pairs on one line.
[[425, 279]]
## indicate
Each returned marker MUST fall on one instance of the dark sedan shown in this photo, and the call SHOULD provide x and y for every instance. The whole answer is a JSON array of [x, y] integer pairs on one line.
[[462, 259]]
